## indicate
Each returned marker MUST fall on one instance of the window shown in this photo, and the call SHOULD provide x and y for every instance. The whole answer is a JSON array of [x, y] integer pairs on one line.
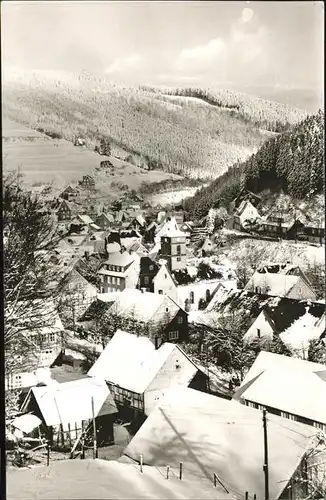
[[156, 396], [52, 337], [102, 290], [300, 291], [178, 259], [118, 281], [178, 249], [285, 414], [180, 320], [18, 381], [166, 309], [208, 295], [319, 425], [258, 333], [151, 267], [257, 289], [173, 335], [146, 280], [192, 298], [113, 280], [165, 276], [160, 292]]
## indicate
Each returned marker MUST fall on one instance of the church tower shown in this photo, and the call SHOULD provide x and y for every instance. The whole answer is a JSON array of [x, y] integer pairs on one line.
[[173, 245]]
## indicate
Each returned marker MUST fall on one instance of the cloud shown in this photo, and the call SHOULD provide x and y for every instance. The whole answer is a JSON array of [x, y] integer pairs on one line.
[[241, 53], [247, 15], [124, 64], [214, 48]]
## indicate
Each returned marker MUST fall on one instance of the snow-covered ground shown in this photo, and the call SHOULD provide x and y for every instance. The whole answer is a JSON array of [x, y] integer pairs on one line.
[[170, 197]]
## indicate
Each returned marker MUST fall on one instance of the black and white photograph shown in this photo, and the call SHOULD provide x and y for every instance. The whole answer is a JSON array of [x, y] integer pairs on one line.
[[163, 250]]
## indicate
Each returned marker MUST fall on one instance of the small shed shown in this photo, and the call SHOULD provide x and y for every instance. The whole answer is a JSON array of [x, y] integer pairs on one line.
[[67, 409]]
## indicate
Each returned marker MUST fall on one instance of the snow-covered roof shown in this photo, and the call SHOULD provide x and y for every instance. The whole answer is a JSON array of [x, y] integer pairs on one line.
[[26, 423], [122, 259], [85, 219], [130, 361], [138, 304], [302, 331], [113, 247], [171, 229], [289, 384], [72, 401], [273, 283], [211, 435]]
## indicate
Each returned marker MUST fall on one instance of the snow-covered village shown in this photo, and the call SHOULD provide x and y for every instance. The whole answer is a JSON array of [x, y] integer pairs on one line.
[[164, 290]]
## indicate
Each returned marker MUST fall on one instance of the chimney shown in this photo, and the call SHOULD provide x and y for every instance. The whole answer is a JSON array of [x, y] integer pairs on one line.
[[156, 343]]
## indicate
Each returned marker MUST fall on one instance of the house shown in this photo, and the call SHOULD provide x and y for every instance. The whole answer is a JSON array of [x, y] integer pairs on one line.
[[42, 330], [192, 295], [149, 233], [87, 182], [69, 193], [71, 479], [187, 228], [66, 211], [83, 220], [302, 331], [148, 270], [315, 231], [244, 195], [164, 283], [206, 248], [79, 293], [178, 215], [119, 271], [281, 285], [290, 387], [246, 211], [283, 268], [138, 374], [105, 221], [66, 409], [155, 314], [211, 435], [282, 311], [137, 222]]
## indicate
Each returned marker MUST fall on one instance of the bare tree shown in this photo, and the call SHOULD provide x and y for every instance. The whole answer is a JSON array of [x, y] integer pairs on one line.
[[31, 280]]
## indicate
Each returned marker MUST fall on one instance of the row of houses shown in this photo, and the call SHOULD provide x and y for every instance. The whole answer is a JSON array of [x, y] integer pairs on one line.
[[287, 224], [180, 422]]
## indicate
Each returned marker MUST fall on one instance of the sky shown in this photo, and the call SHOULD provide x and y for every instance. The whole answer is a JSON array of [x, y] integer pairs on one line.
[[258, 45]]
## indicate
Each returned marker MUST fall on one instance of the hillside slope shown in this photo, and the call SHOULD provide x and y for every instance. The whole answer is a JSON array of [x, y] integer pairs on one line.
[[292, 162], [199, 137], [44, 160]]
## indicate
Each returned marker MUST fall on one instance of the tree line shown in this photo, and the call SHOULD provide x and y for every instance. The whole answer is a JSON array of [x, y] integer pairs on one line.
[[292, 162]]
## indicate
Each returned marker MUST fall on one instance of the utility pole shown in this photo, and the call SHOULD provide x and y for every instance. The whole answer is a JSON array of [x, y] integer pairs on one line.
[[265, 466]]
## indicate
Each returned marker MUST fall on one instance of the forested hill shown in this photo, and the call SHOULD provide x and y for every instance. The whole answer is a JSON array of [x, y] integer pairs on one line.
[[292, 162], [192, 132]]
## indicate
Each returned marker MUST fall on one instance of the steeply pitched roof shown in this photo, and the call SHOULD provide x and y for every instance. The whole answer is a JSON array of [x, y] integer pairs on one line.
[[281, 310], [301, 332], [72, 401], [86, 219], [278, 285], [171, 229], [121, 259], [213, 435], [288, 384], [132, 362], [139, 305]]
